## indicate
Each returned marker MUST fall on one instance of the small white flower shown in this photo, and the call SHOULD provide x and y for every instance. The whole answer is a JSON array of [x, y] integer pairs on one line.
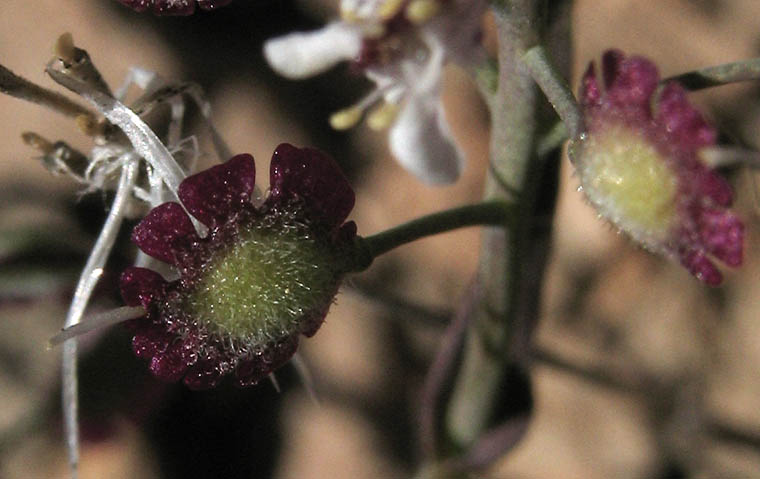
[[401, 46]]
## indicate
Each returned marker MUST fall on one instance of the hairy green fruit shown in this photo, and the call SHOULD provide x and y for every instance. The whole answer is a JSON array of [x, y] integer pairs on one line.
[[261, 287]]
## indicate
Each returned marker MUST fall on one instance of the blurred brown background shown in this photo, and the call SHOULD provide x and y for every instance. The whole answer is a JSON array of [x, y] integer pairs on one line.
[[640, 370]]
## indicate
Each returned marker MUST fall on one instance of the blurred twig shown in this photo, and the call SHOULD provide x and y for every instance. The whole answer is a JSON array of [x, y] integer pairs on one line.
[[744, 70], [627, 380], [401, 307]]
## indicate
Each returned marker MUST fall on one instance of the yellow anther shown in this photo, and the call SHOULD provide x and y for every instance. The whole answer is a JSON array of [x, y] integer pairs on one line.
[[37, 142], [349, 15], [345, 119], [389, 8], [373, 31], [420, 11], [382, 116], [65, 49]]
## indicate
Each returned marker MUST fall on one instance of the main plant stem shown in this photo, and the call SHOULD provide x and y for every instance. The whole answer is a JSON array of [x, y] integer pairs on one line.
[[513, 137]]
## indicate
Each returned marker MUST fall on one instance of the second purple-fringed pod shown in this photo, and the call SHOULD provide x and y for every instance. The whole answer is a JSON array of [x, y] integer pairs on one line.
[[262, 276], [173, 7], [639, 165]]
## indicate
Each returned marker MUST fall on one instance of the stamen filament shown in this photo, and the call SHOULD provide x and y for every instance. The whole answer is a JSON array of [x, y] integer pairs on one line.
[[144, 141], [349, 117], [382, 116], [78, 62], [37, 141]]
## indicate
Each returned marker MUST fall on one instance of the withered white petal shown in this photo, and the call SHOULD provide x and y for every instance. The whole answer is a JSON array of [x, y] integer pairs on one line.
[[144, 141], [304, 54]]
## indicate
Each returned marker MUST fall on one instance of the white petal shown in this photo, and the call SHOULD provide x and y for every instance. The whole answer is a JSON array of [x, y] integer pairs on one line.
[[421, 141], [301, 55]]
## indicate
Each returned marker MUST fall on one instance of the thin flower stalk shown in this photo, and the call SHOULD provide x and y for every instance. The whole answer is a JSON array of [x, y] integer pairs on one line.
[[89, 277], [556, 89], [492, 213]]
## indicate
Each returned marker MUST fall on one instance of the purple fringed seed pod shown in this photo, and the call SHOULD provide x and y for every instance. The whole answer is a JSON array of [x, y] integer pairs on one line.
[[260, 278], [173, 7], [639, 165]]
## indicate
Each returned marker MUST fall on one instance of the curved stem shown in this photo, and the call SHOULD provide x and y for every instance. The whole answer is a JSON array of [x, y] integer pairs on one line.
[[91, 273], [495, 213], [552, 139], [555, 87]]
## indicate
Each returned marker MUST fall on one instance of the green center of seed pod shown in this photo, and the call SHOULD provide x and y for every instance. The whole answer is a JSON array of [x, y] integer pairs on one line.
[[630, 182], [260, 287]]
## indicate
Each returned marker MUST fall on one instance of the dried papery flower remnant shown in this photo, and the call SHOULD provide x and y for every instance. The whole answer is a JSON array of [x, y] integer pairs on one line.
[[639, 165], [174, 7], [262, 276], [402, 47]]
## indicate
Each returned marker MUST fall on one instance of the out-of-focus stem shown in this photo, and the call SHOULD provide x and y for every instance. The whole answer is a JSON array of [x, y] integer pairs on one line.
[[513, 115], [744, 70]]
